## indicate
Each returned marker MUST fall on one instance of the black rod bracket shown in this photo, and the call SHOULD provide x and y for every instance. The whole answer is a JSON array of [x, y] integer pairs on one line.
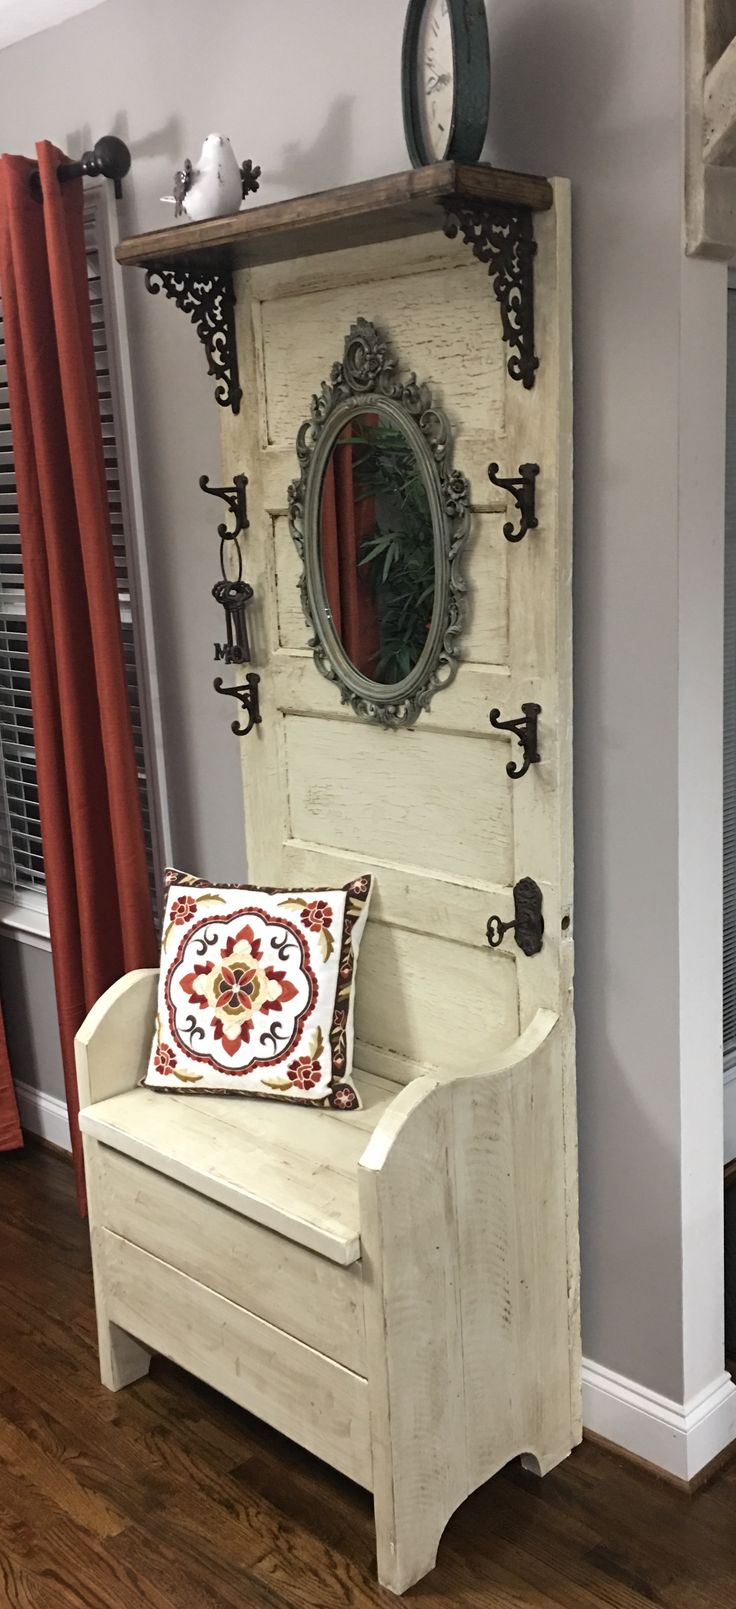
[[523, 489], [526, 729], [528, 924], [248, 697], [108, 159], [209, 301], [502, 239]]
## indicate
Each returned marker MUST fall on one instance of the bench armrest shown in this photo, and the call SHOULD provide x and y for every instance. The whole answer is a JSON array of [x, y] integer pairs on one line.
[[114, 1041], [411, 1099]]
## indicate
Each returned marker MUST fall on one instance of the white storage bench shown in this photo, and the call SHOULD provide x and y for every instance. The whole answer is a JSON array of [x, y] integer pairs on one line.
[[387, 1287]]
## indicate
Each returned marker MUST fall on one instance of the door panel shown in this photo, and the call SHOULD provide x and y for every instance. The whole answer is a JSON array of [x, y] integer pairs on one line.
[[394, 793], [430, 811]]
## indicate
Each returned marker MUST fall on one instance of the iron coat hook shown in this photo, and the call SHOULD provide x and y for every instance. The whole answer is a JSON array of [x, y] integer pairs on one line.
[[523, 489], [234, 594]]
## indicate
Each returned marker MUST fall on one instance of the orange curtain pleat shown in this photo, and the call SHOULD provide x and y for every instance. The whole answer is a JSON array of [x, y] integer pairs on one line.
[[94, 850], [10, 1132], [345, 521]]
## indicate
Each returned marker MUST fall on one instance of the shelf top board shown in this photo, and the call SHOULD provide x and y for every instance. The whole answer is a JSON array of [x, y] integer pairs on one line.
[[355, 215]]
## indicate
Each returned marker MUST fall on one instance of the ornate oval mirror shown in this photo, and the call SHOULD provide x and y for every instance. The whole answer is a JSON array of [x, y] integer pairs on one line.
[[379, 519]]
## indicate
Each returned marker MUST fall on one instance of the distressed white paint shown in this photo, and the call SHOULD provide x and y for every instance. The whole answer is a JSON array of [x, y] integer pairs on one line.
[[596, 92], [252, 1266], [299, 1391], [444, 1217], [466, 1280]]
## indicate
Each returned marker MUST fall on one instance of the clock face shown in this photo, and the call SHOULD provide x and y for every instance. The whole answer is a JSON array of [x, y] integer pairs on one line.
[[435, 66]]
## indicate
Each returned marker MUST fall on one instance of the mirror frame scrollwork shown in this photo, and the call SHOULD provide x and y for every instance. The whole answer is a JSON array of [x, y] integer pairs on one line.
[[365, 381]]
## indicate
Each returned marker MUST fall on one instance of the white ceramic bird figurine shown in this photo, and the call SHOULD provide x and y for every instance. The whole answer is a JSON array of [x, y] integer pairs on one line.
[[216, 186]]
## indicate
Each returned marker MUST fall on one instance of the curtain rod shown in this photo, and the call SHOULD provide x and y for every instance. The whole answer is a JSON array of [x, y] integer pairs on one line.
[[109, 158]]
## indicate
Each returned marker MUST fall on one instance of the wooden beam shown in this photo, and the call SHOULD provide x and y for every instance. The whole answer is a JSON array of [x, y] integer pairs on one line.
[[710, 186], [390, 208], [719, 111]]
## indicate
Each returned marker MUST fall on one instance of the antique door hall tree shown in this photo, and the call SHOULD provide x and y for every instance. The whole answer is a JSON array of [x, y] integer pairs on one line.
[[396, 1287]]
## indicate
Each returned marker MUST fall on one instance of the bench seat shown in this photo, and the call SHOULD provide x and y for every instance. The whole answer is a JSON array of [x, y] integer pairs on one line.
[[293, 1171]]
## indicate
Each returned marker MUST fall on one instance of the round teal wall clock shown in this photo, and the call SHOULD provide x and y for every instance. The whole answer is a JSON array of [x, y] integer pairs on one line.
[[445, 80]]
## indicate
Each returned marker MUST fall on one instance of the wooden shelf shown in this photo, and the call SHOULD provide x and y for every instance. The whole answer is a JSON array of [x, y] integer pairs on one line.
[[357, 214]]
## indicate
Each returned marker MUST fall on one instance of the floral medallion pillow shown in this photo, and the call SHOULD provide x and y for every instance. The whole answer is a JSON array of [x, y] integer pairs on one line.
[[256, 991]]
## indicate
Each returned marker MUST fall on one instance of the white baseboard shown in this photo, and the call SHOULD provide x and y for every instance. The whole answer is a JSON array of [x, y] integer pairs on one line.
[[43, 1114], [680, 1438]]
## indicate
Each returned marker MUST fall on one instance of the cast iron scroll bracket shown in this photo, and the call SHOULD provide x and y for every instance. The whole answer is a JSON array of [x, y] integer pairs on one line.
[[502, 239], [248, 697], [528, 923], [209, 301], [526, 728], [523, 489]]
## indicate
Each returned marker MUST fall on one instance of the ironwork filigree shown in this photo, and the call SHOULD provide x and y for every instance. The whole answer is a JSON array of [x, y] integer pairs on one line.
[[502, 238], [366, 380], [209, 301], [528, 924], [523, 489], [526, 728]]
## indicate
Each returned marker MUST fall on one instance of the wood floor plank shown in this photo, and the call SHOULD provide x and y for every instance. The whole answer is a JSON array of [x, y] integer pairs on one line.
[[166, 1496], [59, 1562]]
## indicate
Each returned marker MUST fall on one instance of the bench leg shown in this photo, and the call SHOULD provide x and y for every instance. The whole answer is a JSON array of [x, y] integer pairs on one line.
[[122, 1359], [406, 1551], [542, 1463]]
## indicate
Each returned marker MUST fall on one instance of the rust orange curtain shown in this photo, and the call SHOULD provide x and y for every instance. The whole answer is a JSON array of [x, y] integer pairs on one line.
[[10, 1132], [346, 520], [99, 903]]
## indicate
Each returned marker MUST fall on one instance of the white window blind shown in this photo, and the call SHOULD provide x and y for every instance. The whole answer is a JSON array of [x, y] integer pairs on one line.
[[729, 733], [22, 878]]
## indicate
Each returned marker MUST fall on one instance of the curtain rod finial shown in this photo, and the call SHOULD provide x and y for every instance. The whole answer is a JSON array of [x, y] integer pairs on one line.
[[109, 158]]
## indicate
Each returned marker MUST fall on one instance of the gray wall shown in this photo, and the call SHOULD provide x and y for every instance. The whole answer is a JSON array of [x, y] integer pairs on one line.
[[588, 88], [597, 97], [26, 981]]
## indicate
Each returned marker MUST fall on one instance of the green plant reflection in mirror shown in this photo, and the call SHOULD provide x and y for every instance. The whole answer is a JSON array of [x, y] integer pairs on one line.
[[377, 548]]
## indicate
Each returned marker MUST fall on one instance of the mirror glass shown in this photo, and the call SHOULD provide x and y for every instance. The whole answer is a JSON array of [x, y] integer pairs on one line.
[[377, 547]]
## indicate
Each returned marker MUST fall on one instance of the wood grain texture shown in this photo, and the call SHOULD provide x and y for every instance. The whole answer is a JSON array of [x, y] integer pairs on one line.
[[324, 759], [494, 1312], [123, 1358], [461, 1202], [168, 1495], [468, 383], [259, 1270], [114, 1043], [297, 1390], [469, 1340], [372, 210], [293, 1172], [430, 810], [710, 186]]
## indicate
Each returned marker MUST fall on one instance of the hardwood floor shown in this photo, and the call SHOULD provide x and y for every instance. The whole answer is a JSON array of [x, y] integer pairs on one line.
[[166, 1496]]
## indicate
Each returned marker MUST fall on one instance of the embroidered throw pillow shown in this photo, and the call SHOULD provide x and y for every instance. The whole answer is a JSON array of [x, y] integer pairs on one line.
[[256, 991]]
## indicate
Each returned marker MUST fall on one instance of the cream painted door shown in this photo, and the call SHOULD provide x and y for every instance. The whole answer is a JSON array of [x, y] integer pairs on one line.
[[431, 811]]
